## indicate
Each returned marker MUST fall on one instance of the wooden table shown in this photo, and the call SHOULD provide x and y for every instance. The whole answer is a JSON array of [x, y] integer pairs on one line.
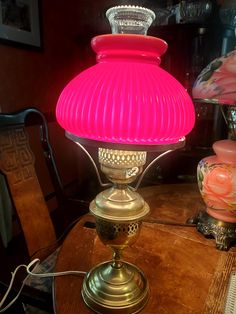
[[186, 273]]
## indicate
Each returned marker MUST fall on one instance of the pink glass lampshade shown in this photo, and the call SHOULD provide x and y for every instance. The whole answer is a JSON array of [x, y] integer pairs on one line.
[[126, 97]]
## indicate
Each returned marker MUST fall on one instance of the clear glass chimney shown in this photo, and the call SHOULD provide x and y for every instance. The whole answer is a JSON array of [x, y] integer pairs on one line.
[[130, 19]]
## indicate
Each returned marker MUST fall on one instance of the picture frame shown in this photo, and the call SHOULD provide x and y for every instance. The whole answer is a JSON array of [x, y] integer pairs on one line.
[[19, 22]]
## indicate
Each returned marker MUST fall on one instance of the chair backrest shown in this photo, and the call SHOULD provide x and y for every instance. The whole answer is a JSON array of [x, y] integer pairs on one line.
[[17, 163]]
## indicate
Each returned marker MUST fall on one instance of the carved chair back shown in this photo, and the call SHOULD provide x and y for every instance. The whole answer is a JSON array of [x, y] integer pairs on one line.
[[17, 163]]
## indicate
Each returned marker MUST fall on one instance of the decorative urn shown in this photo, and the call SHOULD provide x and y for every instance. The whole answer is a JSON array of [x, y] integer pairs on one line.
[[217, 184]]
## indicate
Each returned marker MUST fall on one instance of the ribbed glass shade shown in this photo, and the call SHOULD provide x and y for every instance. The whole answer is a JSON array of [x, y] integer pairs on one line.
[[126, 98]]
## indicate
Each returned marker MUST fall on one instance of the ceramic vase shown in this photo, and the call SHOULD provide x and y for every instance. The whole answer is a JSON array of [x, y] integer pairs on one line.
[[217, 181]]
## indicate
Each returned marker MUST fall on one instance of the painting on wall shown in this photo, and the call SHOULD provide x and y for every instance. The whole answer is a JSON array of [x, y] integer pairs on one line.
[[19, 22]]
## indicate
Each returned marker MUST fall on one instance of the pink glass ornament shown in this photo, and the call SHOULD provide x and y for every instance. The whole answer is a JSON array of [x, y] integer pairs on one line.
[[126, 97], [217, 181]]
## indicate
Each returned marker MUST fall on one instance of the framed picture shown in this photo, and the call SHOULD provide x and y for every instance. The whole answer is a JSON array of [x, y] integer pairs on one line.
[[19, 21]]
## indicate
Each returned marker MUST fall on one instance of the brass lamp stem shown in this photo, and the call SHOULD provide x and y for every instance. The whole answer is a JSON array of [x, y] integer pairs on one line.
[[117, 263]]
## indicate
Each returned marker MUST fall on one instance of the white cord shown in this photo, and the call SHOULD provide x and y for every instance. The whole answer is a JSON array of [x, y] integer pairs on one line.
[[63, 273], [34, 263], [13, 275]]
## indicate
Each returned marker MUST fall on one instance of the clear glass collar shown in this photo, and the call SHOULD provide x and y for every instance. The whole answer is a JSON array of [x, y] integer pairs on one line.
[[130, 19]]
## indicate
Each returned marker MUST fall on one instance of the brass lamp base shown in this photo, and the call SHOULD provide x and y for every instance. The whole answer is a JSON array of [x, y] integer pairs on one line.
[[223, 232], [111, 289]]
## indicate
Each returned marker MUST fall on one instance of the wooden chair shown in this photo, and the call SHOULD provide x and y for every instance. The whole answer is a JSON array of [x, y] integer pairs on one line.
[[17, 164]]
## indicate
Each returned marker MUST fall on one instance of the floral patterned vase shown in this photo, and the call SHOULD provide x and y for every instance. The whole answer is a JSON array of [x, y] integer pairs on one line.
[[217, 181]]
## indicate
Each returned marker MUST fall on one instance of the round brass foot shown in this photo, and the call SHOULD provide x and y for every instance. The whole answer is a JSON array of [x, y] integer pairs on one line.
[[223, 232], [110, 289]]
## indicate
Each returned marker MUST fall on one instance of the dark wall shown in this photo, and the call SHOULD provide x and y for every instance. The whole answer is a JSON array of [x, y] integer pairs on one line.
[[35, 77]]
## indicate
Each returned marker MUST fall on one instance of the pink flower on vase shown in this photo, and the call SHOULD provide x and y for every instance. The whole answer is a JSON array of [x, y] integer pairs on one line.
[[218, 187]]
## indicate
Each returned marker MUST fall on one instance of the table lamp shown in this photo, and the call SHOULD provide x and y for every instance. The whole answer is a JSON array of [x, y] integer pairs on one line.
[[217, 174], [125, 105]]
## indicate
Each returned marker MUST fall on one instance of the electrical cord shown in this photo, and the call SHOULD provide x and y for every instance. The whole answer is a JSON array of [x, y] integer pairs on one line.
[[30, 272], [13, 275], [62, 273]]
